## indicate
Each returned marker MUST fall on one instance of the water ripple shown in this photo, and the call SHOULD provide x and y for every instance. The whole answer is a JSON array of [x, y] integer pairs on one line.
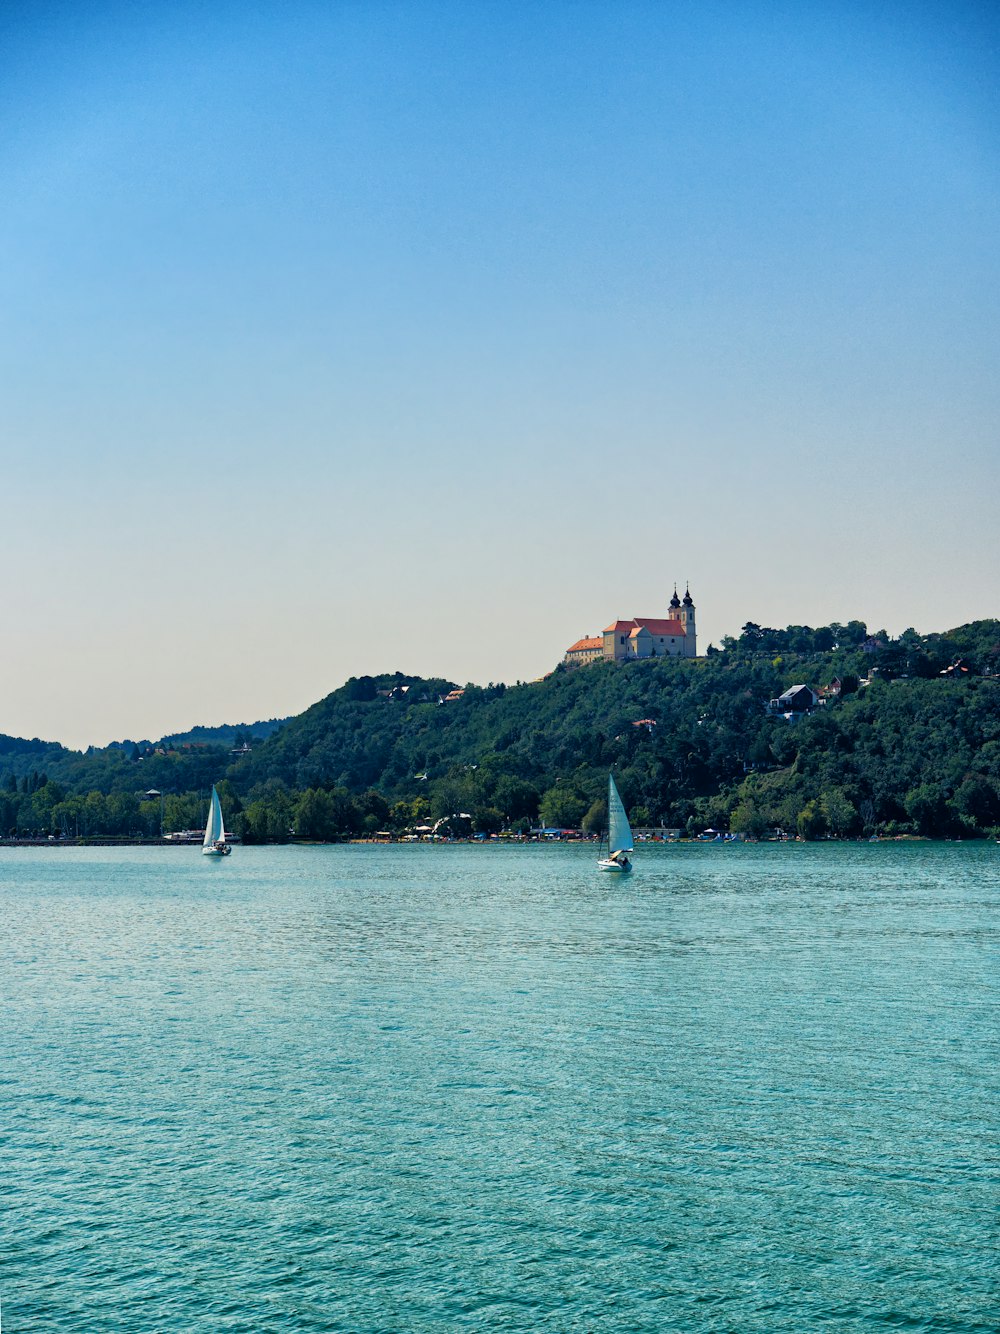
[[381, 1089]]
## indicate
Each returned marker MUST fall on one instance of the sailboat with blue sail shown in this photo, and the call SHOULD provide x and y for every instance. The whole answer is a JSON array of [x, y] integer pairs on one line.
[[215, 844], [620, 841]]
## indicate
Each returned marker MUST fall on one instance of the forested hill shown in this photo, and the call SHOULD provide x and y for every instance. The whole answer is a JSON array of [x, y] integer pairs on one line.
[[910, 744], [229, 734]]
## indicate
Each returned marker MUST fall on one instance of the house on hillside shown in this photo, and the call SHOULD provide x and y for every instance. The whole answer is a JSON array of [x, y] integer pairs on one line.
[[795, 701]]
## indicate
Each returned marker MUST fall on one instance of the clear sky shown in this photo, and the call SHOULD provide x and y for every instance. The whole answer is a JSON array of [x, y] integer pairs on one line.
[[353, 337]]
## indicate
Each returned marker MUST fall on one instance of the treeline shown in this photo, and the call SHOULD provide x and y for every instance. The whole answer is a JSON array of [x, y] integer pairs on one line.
[[911, 744]]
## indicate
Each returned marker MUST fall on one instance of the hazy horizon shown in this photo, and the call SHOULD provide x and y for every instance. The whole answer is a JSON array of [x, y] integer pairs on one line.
[[189, 725], [345, 339]]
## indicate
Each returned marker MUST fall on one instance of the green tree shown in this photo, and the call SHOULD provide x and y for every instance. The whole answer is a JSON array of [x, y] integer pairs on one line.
[[749, 818], [926, 806], [516, 798], [811, 822], [313, 815], [838, 812], [977, 800], [596, 819], [373, 806], [93, 816], [268, 817], [487, 820], [562, 808]]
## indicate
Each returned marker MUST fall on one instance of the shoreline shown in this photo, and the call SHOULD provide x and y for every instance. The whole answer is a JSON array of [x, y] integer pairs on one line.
[[519, 842]]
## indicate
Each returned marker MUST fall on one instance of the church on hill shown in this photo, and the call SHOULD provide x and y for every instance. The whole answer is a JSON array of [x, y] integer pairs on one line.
[[642, 637]]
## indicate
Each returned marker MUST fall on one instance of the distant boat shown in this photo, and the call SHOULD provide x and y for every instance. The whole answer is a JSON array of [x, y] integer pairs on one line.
[[214, 844], [620, 840]]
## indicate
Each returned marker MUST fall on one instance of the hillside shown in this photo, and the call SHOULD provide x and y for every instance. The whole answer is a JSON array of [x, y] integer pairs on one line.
[[46, 787], [911, 744]]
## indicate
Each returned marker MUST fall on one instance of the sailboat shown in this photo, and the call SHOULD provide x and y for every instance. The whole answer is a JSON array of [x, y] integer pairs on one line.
[[215, 844], [619, 834]]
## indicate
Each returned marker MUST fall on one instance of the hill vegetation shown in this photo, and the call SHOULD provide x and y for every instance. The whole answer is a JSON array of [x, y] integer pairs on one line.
[[911, 744]]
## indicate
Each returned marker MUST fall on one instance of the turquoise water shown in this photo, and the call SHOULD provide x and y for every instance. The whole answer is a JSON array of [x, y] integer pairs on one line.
[[749, 1088]]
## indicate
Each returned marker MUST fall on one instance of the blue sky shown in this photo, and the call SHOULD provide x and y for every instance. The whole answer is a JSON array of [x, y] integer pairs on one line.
[[345, 338]]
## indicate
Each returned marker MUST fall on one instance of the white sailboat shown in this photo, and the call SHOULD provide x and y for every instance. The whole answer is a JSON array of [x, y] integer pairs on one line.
[[214, 844], [619, 834]]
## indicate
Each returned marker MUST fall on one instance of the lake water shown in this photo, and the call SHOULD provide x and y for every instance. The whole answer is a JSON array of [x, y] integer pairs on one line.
[[748, 1088]]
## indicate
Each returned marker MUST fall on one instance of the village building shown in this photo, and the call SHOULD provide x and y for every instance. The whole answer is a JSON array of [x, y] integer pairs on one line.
[[795, 701], [584, 651], [641, 637]]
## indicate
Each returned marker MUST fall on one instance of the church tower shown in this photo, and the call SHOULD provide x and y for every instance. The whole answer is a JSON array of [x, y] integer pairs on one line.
[[684, 612]]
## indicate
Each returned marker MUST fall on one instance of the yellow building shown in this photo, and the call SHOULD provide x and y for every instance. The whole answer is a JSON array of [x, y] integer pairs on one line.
[[584, 651]]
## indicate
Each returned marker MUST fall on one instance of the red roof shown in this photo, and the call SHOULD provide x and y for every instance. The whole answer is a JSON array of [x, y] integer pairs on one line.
[[583, 644], [653, 626], [661, 627]]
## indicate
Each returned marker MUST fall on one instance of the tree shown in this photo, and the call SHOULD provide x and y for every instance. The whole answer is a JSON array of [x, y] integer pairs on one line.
[[94, 816], [268, 817], [838, 812], [925, 805], [346, 818], [596, 819], [361, 688], [487, 820], [562, 808], [978, 801], [759, 754], [748, 818], [373, 805], [314, 815], [811, 822], [402, 814], [517, 798]]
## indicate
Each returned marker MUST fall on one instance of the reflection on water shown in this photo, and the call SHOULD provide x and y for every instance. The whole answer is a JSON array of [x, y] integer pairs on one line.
[[415, 1088]]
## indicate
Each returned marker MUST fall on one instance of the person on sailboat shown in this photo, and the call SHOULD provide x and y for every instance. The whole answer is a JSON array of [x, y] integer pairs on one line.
[[619, 834]]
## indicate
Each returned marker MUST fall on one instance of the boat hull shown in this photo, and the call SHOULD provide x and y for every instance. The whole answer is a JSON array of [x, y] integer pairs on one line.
[[216, 852], [608, 865]]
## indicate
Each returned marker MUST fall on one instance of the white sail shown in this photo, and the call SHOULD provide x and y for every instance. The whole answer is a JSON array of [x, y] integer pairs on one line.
[[619, 830], [214, 831]]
